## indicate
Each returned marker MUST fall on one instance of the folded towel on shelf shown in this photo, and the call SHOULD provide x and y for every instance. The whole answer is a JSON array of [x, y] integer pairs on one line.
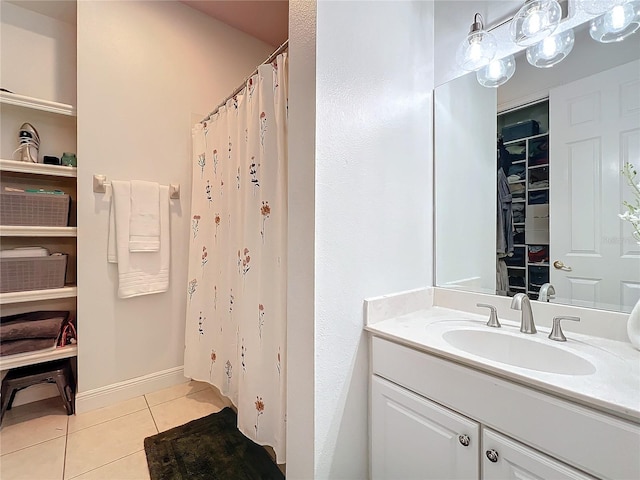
[[14, 347], [24, 252], [139, 273], [514, 178], [516, 188], [144, 222], [32, 325]]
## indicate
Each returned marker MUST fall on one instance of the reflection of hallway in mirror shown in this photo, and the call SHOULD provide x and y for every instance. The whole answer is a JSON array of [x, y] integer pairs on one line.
[[596, 129]]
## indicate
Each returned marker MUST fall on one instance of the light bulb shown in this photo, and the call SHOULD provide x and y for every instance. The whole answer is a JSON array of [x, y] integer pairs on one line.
[[495, 69], [536, 20], [477, 50], [497, 72], [618, 23], [551, 50], [549, 47], [532, 24], [618, 17]]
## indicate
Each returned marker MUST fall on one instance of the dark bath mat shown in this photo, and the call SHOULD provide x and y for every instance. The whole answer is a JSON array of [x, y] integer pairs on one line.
[[210, 448]]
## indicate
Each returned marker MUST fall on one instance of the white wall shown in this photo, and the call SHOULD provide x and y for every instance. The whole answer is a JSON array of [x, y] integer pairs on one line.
[[373, 199], [144, 68]]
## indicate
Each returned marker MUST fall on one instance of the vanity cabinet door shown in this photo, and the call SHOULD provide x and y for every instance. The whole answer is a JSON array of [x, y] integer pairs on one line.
[[503, 458], [415, 438]]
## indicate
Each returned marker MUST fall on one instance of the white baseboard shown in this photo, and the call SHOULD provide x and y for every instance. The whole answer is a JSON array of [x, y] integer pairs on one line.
[[118, 392]]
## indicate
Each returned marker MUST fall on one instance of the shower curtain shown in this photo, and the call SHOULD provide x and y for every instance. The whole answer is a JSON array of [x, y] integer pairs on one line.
[[236, 290]]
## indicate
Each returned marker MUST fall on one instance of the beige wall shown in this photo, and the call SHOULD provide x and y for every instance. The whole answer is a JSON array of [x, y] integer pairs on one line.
[[300, 241], [146, 70]]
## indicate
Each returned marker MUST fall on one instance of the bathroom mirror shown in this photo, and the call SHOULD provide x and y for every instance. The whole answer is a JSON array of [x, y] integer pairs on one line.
[[567, 130]]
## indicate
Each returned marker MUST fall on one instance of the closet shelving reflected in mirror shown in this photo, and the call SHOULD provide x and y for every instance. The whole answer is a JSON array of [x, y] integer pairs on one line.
[[526, 133]]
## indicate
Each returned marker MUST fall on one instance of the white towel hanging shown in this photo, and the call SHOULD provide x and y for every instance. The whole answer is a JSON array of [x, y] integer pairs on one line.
[[139, 273]]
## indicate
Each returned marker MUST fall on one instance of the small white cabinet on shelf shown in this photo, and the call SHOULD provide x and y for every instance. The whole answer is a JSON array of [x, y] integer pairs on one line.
[[414, 438]]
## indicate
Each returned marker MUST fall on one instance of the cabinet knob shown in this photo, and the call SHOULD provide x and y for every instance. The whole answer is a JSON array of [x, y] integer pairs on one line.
[[464, 440], [492, 455]]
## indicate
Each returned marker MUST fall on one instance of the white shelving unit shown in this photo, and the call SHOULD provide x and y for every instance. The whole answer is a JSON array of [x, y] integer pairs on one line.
[[45, 98], [37, 104], [37, 169], [8, 298], [20, 231], [40, 356], [37, 173]]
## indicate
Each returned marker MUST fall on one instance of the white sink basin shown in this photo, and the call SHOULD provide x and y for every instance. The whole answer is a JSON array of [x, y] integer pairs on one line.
[[519, 351]]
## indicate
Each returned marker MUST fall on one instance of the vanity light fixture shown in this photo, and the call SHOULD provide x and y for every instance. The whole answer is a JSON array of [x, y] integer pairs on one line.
[[536, 20], [478, 49], [497, 72], [551, 50], [620, 21]]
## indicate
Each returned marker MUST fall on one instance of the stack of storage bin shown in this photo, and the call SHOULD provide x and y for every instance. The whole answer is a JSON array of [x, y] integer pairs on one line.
[[32, 268]]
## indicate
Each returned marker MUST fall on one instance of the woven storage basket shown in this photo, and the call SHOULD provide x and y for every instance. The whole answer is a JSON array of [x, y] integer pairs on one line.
[[32, 273], [34, 209]]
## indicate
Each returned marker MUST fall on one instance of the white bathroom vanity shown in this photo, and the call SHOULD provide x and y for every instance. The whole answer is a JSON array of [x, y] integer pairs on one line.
[[452, 398]]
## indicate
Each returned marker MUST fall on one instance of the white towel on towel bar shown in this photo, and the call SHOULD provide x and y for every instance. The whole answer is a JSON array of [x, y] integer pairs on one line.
[[139, 273], [144, 223]]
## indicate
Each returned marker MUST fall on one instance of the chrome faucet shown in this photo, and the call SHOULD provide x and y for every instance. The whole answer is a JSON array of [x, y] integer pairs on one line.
[[521, 302], [547, 292]]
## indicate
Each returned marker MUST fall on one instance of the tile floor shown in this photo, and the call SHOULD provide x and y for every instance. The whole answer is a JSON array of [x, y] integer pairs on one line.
[[38, 441]]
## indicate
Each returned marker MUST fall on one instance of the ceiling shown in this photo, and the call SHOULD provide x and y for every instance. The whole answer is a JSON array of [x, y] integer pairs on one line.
[[267, 20]]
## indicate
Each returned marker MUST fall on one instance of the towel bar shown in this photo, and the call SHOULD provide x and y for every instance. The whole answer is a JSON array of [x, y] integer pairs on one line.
[[100, 186]]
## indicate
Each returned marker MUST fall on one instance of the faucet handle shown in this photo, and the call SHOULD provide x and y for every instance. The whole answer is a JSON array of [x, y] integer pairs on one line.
[[556, 330], [493, 316]]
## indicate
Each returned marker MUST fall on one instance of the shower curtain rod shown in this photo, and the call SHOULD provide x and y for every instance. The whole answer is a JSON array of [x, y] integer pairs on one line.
[[269, 59]]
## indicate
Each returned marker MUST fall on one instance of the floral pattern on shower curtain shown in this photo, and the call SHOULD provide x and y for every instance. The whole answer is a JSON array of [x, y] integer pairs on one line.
[[236, 288]]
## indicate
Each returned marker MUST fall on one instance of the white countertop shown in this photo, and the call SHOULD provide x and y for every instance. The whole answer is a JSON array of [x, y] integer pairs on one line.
[[614, 386]]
